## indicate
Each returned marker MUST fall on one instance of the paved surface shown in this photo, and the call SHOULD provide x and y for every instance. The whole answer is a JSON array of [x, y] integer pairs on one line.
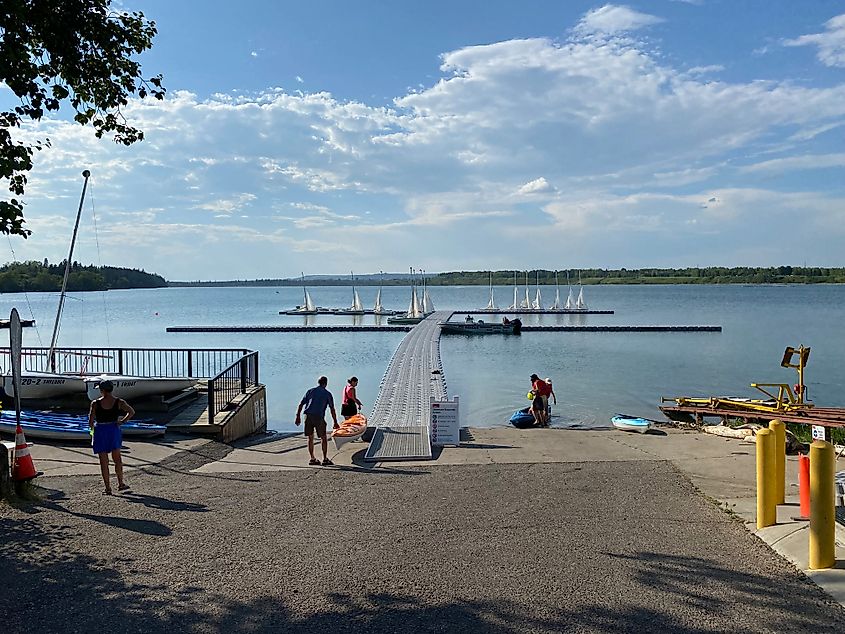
[[493, 543]]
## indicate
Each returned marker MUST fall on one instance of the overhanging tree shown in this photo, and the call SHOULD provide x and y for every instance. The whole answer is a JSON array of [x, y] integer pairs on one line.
[[76, 53]]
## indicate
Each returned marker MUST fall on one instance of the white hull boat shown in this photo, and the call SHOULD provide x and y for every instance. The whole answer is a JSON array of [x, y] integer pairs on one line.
[[631, 423], [45, 385], [131, 387]]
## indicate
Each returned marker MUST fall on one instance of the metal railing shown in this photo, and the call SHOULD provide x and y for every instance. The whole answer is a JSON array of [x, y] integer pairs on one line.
[[147, 362], [231, 382]]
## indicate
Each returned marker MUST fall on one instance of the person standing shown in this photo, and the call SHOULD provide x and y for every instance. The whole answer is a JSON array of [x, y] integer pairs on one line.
[[105, 417], [350, 404], [551, 392], [541, 392], [315, 402]]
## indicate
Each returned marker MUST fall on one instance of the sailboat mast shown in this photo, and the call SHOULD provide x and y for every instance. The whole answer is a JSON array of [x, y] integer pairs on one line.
[[304, 292], [86, 175]]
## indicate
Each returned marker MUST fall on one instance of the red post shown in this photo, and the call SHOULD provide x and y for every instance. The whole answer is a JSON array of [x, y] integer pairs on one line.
[[804, 486]]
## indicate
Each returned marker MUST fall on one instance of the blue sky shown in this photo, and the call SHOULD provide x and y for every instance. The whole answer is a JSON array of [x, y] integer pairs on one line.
[[331, 136]]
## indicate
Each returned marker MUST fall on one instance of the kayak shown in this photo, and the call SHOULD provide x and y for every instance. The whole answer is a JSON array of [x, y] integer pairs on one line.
[[56, 426], [350, 429], [522, 418], [631, 423]]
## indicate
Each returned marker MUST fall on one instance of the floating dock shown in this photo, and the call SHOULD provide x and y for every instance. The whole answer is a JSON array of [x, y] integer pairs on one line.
[[825, 416], [400, 413], [409, 327], [534, 311]]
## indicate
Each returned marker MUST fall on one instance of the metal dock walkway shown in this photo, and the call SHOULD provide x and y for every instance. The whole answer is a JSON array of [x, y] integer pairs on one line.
[[400, 413]]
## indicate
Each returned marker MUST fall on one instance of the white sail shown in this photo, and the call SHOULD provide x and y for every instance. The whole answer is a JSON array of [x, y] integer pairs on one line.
[[378, 308], [309, 303], [515, 304], [556, 305], [491, 305], [570, 301], [428, 305], [538, 301], [356, 302], [416, 310], [580, 305]]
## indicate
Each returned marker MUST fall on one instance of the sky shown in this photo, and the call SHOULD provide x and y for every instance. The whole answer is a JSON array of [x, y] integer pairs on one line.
[[331, 136]]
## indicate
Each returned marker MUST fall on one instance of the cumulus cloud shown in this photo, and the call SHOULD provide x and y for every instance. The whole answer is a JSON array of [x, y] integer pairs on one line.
[[611, 19], [830, 43], [623, 140]]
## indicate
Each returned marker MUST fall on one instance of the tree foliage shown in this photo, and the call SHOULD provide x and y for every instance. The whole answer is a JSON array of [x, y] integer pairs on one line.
[[43, 276], [77, 53]]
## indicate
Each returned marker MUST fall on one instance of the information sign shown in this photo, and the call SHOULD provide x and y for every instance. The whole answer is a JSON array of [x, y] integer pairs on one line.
[[819, 432], [445, 425]]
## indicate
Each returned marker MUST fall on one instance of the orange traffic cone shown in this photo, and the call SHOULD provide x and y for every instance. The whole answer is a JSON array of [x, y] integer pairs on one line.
[[23, 469]]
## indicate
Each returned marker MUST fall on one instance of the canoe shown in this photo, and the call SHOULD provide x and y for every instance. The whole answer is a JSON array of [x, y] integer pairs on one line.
[[56, 426], [350, 429], [631, 423]]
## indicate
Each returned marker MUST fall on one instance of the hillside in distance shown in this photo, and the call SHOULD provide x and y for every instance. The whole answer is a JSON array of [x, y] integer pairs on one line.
[[35, 276]]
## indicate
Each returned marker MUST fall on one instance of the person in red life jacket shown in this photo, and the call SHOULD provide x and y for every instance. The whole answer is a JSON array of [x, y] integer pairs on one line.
[[105, 417], [350, 404], [540, 403]]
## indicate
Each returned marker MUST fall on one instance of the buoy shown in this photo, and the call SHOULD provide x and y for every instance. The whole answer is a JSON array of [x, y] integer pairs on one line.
[[530, 396], [23, 468]]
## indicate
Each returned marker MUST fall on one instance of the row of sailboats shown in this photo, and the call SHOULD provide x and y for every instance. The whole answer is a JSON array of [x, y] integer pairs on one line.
[[526, 303], [420, 305]]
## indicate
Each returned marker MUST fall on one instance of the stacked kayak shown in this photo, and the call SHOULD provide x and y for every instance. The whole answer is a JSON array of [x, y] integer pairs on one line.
[[57, 426], [631, 423], [350, 429]]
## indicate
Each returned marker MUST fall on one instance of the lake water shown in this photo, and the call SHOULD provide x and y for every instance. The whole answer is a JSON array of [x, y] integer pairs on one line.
[[595, 374]]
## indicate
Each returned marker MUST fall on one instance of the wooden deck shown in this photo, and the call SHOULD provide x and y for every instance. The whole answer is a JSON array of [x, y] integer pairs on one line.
[[826, 416]]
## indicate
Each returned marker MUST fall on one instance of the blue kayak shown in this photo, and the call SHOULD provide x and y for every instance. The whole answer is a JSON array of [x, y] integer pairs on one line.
[[523, 419], [631, 423], [56, 426]]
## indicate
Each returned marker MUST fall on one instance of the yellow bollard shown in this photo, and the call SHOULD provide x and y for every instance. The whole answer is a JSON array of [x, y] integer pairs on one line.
[[766, 503], [822, 510], [779, 430]]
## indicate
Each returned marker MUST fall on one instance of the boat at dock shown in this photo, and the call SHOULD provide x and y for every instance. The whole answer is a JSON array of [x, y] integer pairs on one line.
[[415, 313], [133, 387], [480, 327]]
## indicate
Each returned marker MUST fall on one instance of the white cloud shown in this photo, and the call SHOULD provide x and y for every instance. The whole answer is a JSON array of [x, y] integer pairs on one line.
[[300, 80], [228, 205], [537, 186], [803, 162], [830, 43], [611, 19], [253, 54]]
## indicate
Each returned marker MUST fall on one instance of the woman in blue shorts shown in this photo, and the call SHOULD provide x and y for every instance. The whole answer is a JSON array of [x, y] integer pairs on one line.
[[105, 417]]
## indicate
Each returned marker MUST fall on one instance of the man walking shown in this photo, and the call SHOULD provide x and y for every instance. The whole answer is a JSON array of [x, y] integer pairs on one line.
[[315, 402]]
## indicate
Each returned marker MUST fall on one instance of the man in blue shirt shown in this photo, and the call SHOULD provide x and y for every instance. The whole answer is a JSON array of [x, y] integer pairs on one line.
[[315, 402]]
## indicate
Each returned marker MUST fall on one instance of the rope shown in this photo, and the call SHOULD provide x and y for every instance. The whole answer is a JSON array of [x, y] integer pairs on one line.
[[100, 262]]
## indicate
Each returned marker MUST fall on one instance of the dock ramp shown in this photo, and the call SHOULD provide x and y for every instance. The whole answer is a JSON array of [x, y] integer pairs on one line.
[[400, 414]]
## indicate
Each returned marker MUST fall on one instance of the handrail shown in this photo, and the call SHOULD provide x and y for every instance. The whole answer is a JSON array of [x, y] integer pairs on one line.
[[231, 382], [146, 362]]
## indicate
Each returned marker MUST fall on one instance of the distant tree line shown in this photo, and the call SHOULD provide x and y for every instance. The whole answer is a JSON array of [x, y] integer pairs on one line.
[[43, 276], [694, 275]]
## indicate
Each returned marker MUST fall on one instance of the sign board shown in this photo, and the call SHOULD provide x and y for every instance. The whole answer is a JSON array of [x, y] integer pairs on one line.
[[445, 423], [819, 432]]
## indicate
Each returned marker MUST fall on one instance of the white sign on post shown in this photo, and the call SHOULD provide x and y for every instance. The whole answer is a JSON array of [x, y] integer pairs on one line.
[[819, 432], [445, 423]]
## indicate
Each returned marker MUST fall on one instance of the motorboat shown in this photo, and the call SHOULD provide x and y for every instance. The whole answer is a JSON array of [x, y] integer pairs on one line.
[[480, 327], [132, 387], [631, 423]]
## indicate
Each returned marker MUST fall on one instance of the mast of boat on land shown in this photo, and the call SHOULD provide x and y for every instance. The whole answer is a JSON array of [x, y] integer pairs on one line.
[[570, 301], [50, 355]]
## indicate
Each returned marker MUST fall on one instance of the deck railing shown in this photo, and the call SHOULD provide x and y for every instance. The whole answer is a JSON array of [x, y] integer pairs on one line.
[[147, 362], [231, 382]]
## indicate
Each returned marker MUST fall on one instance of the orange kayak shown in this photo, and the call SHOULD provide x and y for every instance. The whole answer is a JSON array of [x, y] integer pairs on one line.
[[354, 426]]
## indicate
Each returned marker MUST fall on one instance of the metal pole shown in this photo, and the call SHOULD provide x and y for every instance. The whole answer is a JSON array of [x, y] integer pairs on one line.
[[50, 357]]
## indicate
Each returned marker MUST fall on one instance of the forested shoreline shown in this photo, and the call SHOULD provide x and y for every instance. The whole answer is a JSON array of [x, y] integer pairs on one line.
[[35, 276]]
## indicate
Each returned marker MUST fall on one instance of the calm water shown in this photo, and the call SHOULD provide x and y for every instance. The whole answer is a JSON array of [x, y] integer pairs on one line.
[[595, 374]]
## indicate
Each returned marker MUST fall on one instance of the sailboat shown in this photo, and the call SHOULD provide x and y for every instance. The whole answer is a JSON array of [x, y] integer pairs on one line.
[[307, 308], [526, 303], [427, 304], [538, 301], [580, 305], [556, 305], [357, 307], [378, 309], [570, 301], [491, 305], [43, 385], [415, 314], [515, 304]]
